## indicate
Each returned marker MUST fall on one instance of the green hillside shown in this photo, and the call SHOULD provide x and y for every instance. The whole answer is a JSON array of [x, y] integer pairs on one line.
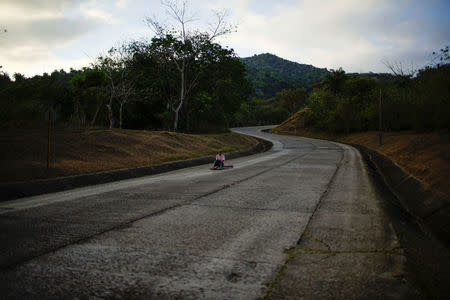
[[270, 74]]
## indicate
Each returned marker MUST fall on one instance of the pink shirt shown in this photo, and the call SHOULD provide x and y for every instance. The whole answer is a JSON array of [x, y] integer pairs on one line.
[[220, 157]]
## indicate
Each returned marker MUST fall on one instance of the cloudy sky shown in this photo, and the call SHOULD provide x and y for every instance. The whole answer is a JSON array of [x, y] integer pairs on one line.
[[43, 35]]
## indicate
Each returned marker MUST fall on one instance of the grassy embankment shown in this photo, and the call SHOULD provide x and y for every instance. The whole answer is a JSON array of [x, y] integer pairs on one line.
[[425, 156], [24, 152]]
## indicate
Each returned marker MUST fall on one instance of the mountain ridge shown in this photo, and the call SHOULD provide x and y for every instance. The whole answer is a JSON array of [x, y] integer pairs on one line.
[[270, 74]]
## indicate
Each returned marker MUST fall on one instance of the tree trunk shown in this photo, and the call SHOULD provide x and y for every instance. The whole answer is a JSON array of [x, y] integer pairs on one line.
[[95, 115], [76, 112], [83, 119], [111, 98], [120, 114], [182, 96], [175, 121], [110, 114]]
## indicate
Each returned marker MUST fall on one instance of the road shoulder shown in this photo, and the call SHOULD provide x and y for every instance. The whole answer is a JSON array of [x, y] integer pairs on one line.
[[349, 249], [11, 191]]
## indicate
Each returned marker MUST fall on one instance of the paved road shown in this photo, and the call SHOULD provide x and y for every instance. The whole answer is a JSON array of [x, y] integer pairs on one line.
[[301, 220]]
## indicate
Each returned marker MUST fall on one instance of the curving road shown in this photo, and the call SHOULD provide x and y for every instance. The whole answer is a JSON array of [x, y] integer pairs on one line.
[[301, 220]]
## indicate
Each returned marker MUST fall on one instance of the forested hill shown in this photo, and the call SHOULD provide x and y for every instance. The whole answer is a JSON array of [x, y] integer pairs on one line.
[[270, 74]]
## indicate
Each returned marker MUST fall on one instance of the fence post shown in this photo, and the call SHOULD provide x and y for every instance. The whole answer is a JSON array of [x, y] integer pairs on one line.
[[50, 118], [380, 121]]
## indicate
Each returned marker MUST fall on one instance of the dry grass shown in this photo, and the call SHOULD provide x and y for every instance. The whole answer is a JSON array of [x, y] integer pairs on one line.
[[425, 156], [24, 152]]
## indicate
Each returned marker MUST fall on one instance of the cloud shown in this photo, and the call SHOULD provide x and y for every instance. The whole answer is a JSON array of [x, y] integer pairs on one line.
[[122, 3], [37, 28], [353, 34], [41, 61], [96, 10], [32, 8], [55, 32]]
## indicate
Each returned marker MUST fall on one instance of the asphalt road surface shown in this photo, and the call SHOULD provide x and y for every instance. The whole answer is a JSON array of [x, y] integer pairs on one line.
[[303, 220]]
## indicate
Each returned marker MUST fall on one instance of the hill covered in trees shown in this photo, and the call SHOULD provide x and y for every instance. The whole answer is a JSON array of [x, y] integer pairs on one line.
[[270, 74]]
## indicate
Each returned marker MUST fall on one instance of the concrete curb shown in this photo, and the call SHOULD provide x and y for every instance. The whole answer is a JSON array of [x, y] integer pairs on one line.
[[10, 191], [431, 207]]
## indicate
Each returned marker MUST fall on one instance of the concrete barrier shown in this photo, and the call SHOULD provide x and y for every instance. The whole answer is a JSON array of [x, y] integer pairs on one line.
[[10, 191], [431, 207]]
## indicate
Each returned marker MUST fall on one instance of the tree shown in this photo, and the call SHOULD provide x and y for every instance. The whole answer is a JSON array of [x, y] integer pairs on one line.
[[89, 89], [127, 90], [402, 73], [4, 79], [183, 50], [116, 65], [18, 77], [335, 80], [292, 99], [221, 89]]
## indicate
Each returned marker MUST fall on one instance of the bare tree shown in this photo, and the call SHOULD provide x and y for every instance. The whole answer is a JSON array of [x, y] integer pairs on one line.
[[121, 82], [189, 50], [126, 92], [399, 69], [440, 58]]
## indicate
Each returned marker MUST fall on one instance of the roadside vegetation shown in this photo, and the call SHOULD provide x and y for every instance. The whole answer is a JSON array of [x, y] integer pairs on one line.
[[348, 103]]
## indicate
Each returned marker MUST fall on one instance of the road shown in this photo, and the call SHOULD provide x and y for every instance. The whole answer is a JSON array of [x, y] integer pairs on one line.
[[301, 220]]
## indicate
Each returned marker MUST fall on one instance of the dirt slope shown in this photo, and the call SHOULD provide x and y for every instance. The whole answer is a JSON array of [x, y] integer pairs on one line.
[[425, 156], [23, 153]]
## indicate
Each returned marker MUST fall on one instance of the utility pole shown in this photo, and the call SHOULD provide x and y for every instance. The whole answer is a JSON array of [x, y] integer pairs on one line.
[[380, 120]]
